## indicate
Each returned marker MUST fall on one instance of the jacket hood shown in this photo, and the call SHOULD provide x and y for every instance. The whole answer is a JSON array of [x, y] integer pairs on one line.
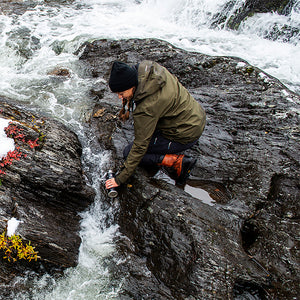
[[151, 78]]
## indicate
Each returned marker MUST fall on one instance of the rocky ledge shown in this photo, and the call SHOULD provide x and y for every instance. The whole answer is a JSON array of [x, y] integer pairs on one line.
[[42, 186], [245, 241]]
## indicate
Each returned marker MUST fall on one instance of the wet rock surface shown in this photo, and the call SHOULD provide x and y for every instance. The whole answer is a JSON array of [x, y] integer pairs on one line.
[[177, 246], [231, 16], [19, 7], [44, 189]]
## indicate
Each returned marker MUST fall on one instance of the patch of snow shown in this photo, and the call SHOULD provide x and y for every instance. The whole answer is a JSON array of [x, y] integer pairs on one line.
[[12, 226], [6, 144], [241, 64]]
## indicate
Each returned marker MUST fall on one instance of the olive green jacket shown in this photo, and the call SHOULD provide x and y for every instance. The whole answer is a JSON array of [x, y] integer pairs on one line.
[[161, 103]]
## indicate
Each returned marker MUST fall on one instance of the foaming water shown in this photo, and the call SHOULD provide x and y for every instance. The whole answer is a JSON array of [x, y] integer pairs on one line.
[[45, 38], [186, 24]]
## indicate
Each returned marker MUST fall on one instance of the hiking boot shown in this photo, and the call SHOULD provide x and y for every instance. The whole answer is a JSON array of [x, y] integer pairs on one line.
[[187, 165], [178, 166]]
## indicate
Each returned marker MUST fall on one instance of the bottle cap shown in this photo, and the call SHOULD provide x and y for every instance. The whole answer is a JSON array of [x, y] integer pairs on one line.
[[112, 194]]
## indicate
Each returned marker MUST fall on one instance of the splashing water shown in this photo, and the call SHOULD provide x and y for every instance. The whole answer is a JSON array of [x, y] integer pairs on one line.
[[44, 38]]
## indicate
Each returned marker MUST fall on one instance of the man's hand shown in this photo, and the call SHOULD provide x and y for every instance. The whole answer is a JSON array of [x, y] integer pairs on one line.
[[111, 183]]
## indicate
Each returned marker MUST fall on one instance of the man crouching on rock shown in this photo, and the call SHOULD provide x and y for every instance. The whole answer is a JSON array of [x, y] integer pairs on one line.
[[167, 119]]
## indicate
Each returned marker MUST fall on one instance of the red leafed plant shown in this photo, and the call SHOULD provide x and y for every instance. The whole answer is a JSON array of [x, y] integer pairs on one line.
[[15, 132], [33, 144], [9, 158]]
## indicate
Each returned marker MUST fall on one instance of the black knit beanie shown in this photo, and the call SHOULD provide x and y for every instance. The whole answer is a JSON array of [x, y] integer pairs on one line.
[[122, 77]]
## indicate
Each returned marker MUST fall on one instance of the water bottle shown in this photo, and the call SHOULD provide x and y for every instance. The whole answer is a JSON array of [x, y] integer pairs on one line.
[[112, 192]]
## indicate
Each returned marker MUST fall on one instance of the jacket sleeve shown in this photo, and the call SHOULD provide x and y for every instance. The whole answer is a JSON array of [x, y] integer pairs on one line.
[[145, 121]]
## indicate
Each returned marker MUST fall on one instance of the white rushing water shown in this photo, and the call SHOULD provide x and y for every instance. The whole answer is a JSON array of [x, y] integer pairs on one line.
[[45, 38]]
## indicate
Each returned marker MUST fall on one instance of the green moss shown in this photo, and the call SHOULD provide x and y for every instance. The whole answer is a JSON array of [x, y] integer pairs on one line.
[[250, 70]]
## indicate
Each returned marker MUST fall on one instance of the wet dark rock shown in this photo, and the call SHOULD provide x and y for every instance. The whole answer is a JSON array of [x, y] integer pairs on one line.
[[45, 190], [60, 72], [24, 46], [19, 7], [232, 17], [248, 155], [280, 6]]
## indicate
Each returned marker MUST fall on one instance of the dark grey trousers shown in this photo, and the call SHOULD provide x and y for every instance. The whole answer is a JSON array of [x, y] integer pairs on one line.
[[158, 147]]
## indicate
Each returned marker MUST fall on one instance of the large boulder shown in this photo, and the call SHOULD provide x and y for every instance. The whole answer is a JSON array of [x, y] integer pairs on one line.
[[177, 246], [43, 188]]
